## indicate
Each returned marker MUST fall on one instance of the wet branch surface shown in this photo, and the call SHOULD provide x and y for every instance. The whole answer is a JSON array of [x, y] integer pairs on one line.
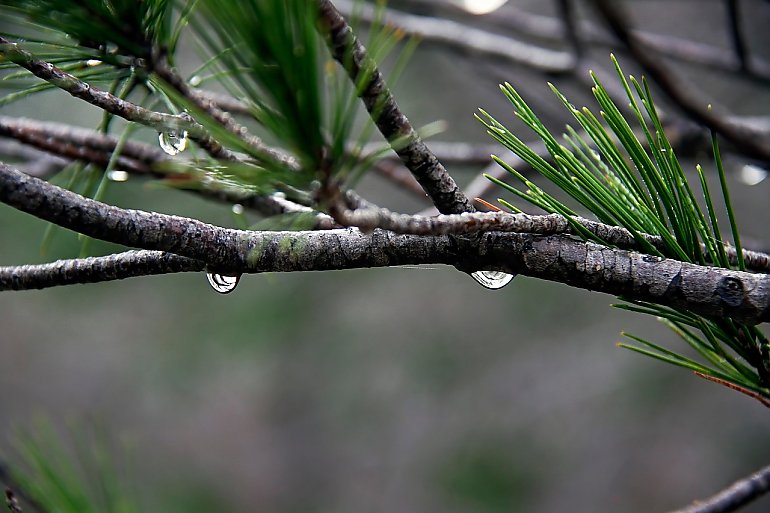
[[704, 290]]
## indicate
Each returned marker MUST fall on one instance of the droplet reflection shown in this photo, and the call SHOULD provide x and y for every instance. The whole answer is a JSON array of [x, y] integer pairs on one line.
[[223, 283], [173, 142], [493, 280]]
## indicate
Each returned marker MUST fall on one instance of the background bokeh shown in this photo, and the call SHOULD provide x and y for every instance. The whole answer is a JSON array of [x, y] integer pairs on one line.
[[398, 389]]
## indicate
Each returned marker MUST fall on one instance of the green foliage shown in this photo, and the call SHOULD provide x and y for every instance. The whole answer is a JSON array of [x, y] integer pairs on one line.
[[70, 473], [636, 181], [118, 27]]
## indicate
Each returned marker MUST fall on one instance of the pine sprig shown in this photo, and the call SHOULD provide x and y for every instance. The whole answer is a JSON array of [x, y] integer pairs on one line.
[[630, 176]]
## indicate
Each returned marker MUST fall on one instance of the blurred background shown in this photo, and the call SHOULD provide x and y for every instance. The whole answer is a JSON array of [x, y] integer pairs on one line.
[[404, 389]]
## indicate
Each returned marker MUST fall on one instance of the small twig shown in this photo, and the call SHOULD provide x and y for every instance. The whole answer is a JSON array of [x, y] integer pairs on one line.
[[391, 122], [111, 103], [739, 494], [138, 159], [754, 395]]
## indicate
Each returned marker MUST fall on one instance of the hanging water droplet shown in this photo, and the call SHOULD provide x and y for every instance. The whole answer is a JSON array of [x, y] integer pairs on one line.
[[117, 175], [223, 283], [492, 279], [237, 209], [173, 142], [752, 175]]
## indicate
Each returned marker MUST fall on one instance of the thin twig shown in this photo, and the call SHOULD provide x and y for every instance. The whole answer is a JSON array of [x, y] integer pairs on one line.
[[736, 496], [391, 122], [111, 103], [138, 159], [259, 148]]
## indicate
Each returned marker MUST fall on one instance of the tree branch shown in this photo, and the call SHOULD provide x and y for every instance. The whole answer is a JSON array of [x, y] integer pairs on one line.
[[707, 291], [391, 122], [139, 159], [95, 269], [111, 103], [464, 37], [737, 495], [685, 97]]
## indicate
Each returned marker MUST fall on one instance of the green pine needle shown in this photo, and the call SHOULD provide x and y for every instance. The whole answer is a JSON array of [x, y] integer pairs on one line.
[[628, 175]]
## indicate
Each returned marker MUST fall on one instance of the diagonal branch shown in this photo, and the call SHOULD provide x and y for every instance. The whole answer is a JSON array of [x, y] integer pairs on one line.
[[736, 496], [707, 291], [391, 122]]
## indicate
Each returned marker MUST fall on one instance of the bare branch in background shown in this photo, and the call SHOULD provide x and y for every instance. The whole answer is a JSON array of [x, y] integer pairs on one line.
[[686, 97], [735, 497]]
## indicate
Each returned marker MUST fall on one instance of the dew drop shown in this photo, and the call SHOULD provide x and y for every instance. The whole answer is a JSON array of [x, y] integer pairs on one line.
[[173, 142], [118, 176], [492, 279], [223, 283], [237, 209], [752, 175]]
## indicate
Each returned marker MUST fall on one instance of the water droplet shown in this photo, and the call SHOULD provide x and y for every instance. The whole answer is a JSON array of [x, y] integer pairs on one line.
[[752, 175], [117, 176], [195, 80], [223, 283], [480, 6], [173, 142], [237, 209], [93, 62], [492, 279]]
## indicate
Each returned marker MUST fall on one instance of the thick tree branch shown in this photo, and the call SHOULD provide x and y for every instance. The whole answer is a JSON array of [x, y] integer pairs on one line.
[[708, 291], [391, 122], [736, 496], [95, 269]]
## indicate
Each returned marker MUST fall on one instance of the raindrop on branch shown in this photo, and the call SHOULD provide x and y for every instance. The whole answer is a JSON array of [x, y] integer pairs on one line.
[[173, 142], [223, 283], [493, 279]]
